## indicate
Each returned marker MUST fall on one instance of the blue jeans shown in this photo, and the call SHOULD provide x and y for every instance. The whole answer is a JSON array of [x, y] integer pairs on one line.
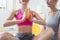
[[25, 36]]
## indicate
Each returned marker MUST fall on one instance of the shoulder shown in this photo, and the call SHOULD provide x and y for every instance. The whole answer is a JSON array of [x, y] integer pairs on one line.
[[34, 12], [15, 11]]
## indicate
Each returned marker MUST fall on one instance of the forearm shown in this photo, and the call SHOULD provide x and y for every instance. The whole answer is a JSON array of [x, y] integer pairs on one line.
[[58, 36], [10, 23], [59, 33], [39, 22]]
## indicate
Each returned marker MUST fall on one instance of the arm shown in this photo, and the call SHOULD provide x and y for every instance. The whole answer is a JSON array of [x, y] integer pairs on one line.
[[44, 20], [10, 21], [39, 19], [59, 31]]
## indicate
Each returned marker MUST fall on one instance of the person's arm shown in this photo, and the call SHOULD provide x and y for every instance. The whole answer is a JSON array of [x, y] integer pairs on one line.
[[45, 21], [39, 19], [10, 20], [59, 30]]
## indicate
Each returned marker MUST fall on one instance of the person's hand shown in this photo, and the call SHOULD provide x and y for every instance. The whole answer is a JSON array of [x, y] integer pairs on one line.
[[24, 17], [31, 19]]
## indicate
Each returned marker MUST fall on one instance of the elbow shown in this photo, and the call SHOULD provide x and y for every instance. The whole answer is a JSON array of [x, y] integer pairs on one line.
[[4, 25], [44, 23]]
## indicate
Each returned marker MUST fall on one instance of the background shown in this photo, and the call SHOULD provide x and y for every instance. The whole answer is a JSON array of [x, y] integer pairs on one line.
[[6, 6]]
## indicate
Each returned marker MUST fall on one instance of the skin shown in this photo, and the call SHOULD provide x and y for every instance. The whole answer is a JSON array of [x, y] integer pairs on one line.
[[59, 33], [45, 35], [9, 37]]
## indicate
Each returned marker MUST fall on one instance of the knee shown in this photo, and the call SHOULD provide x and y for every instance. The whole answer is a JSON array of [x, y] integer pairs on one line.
[[8, 36], [3, 36]]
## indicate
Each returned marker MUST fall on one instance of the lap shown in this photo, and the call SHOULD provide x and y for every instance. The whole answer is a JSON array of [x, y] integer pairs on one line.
[[25, 36], [8, 36], [45, 35]]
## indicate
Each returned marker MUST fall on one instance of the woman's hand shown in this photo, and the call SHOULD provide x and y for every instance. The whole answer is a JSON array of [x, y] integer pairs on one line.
[[24, 17], [31, 19]]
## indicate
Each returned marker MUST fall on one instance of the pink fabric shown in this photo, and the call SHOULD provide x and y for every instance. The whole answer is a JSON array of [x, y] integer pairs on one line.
[[19, 16]]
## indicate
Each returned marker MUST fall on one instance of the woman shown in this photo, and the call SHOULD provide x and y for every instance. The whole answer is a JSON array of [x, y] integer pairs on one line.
[[53, 18], [52, 21], [24, 21]]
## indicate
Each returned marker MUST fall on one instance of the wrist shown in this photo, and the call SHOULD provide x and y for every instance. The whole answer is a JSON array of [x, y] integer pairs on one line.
[[33, 20]]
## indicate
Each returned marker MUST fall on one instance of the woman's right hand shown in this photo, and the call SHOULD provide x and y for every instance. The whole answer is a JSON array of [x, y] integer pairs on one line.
[[24, 17]]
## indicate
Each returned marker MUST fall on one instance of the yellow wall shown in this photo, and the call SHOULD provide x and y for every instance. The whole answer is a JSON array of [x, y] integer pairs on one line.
[[36, 29]]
